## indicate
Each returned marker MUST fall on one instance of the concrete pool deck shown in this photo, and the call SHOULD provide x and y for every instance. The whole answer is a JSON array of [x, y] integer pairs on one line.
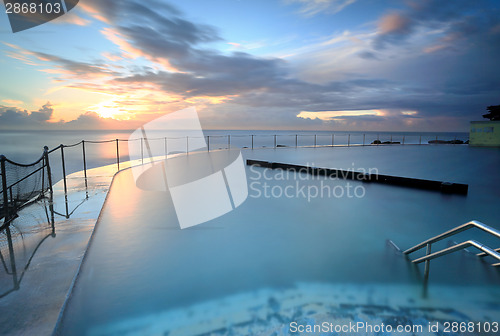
[[58, 260], [45, 280], [47, 258]]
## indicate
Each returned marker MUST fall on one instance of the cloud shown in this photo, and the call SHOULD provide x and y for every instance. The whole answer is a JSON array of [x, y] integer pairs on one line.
[[453, 21], [155, 30], [12, 117], [427, 57], [12, 102], [311, 8], [394, 23], [72, 18], [330, 115], [92, 121], [63, 66]]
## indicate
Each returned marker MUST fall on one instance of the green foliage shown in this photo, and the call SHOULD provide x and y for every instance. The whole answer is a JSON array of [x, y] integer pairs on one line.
[[493, 113]]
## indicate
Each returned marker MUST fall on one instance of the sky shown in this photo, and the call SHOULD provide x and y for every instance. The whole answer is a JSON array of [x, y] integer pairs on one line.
[[339, 65]]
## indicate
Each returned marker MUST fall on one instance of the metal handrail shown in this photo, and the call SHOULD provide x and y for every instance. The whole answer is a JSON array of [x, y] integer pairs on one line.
[[454, 231], [482, 254], [457, 247]]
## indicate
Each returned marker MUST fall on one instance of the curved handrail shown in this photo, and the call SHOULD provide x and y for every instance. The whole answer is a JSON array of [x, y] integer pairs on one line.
[[457, 247], [454, 231]]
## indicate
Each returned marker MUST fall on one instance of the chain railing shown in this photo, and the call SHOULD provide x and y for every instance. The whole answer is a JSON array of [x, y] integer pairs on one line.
[[22, 184]]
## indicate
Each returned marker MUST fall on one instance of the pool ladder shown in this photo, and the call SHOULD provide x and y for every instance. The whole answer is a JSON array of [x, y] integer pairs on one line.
[[485, 250]]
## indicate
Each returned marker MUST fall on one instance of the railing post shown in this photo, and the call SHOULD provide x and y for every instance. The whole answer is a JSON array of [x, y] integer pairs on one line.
[[363, 139], [64, 179], [63, 169], [166, 152], [348, 140], [142, 151], [275, 141], [426, 270], [427, 262], [314, 140], [403, 139], [420, 140], [228, 141], [333, 139], [187, 144], [296, 140], [4, 189], [252, 141], [208, 143], [43, 176], [49, 172], [84, 165], [117, 154]]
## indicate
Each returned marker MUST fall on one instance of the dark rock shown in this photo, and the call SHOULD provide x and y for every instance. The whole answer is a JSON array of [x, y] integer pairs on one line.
[[453, 142]]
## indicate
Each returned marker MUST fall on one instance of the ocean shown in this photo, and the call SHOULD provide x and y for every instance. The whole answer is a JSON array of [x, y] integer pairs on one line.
[[27, 146]]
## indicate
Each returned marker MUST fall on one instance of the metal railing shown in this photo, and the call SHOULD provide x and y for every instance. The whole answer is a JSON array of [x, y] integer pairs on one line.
[[458, 229], [460, 246]]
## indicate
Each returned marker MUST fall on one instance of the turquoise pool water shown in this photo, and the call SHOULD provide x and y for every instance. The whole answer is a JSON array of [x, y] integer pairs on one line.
[[277, 260]]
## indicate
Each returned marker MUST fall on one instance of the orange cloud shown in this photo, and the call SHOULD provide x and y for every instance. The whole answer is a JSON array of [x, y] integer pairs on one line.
[[128, 51], [392, 23], [13, 102], [111, 57], [211, 99], [71, 18], [434, 48], [92, 11]]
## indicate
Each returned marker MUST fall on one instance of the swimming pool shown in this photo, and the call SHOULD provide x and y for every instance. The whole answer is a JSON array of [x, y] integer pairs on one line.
[[277, 259]]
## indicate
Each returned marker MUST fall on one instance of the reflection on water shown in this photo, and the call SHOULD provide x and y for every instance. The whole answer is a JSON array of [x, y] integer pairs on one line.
[[19, 243]]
